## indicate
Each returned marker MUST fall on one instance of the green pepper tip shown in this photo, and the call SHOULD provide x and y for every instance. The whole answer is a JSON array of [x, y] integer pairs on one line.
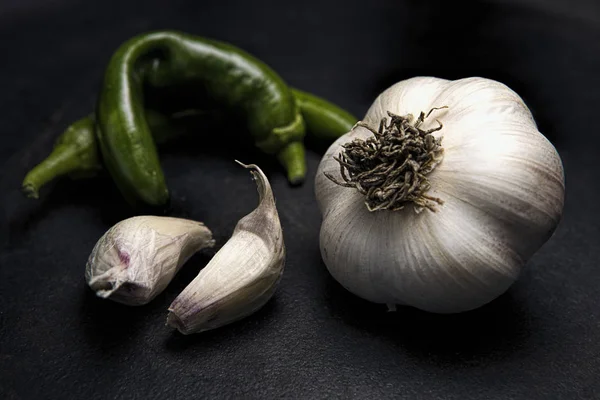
[[293, 160], [30, 191], [296, 180]]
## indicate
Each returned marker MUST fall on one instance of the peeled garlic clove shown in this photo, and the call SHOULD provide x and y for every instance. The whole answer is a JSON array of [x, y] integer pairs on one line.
[[242, 276], [136, 259]]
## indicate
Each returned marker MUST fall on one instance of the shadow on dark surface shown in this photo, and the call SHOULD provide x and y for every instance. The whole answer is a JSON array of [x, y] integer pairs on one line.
[[98, 193], [317, 145], [492, 331], [110, 326], [187, 273], [249, 326], [449, 40], [454, 40], [229, 141]]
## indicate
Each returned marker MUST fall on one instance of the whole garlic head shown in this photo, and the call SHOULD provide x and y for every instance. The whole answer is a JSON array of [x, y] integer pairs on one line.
[[493, 198], [137, 258]]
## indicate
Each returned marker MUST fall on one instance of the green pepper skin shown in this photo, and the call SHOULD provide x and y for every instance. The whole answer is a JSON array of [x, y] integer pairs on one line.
[[230, 77], [75, 152], [323, 119]]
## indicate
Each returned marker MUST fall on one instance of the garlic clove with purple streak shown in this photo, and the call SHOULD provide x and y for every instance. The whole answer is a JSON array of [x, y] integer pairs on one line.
[[135, 260]]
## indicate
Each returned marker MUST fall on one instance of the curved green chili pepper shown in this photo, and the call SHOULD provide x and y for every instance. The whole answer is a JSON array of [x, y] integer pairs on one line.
[[76, 154], [229, 75], [76, 151]]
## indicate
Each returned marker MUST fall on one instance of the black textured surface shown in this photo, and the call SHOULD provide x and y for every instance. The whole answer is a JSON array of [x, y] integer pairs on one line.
[[314, 339]]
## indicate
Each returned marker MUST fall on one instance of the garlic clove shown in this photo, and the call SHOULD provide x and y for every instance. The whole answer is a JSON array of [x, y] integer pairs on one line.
[[242, 276], [136, 259]]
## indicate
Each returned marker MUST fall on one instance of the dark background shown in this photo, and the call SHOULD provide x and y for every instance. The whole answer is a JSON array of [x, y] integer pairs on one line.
[[314, 339]]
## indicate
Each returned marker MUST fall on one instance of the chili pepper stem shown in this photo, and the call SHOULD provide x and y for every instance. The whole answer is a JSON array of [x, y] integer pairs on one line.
[[293, 160]]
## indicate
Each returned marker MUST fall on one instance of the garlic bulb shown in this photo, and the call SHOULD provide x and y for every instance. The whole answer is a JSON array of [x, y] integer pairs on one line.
[[439, 196], [242, 276], [136, 259]]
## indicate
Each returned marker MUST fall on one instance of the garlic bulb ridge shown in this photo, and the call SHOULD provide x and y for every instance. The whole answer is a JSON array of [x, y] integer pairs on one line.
[[486, 185]]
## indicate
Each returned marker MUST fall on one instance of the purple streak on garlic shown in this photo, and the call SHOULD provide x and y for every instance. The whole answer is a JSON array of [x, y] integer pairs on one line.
[[136, 259]]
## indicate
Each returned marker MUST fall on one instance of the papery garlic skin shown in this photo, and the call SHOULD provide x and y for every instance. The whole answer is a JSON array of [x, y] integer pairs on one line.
[[242, 276], [502, 183], [136, 259]]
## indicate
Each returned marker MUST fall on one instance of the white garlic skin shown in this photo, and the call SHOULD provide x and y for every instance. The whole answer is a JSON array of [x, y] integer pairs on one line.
[[138, 257], [502, 183], [241, 277]]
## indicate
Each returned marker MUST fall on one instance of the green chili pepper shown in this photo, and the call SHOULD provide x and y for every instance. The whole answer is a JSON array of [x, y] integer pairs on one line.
[[76, 152], [229, 75], [324, 119]]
